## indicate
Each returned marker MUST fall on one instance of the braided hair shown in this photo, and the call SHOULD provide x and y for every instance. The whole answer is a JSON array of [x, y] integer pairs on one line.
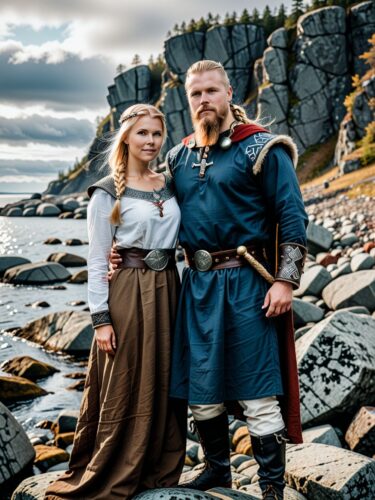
[[118, 155]]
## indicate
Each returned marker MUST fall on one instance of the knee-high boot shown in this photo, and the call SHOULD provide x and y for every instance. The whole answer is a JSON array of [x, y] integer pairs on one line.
[[214, 438], [269, 452]]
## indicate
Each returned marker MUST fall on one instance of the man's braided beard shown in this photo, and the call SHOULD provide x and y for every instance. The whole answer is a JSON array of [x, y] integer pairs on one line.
[[207, 129]]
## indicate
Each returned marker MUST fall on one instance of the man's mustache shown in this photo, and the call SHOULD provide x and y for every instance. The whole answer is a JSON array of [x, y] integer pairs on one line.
[[204, 108]]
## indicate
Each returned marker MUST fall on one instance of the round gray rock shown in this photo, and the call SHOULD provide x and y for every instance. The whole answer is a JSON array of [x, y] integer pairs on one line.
[[14, 212], [47, 210], [29, 212], [313, 281], [362, 261], [304, 312]]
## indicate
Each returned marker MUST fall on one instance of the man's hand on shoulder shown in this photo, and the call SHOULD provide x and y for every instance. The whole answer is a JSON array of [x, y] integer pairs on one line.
[[278, 299], [114, 261]]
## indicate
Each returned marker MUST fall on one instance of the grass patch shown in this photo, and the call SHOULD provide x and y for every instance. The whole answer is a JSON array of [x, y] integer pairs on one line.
[[359, 182], [315, 159]]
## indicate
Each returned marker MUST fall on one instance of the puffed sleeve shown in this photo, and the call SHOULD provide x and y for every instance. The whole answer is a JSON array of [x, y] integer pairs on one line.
[[284, 199], [101, 233]]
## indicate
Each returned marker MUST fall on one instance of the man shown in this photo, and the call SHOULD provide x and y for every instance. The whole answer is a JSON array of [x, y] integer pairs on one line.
[[236, 184], [233, 192]]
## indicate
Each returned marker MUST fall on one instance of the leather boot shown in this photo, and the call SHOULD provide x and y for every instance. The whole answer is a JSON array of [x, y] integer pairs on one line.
[[269, 452], [214, 438]]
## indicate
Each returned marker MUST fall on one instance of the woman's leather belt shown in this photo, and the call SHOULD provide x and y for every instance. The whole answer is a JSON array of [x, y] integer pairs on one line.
[[140, 258], [201, 260]]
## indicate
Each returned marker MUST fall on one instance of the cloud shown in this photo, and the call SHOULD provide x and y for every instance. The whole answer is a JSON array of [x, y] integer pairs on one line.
[[19, 171], [73, 83], [46, 129]]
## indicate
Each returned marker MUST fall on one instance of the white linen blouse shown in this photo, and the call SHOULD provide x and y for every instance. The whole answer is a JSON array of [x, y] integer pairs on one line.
[[142, 227]]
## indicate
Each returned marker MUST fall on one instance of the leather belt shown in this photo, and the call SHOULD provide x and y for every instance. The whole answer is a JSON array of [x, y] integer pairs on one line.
[[201, 260], [140, 258]]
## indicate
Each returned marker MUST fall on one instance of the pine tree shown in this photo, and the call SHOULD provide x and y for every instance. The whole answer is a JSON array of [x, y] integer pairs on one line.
[[183, 27], [176, 29], [255, 17], [201, 25], [245, 17], [210, 20], [136, 60], [268, 21], [281, 16], [191, 26], [227, 20], [297, 9], [120, 69]]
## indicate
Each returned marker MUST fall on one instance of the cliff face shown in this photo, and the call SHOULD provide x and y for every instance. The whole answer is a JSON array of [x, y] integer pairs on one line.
[[297, 78]]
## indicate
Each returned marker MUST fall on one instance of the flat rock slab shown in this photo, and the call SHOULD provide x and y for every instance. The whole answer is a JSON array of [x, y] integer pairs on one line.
[[355, 289], [33, 488], [27, 367], [8, 261], [16, 451], [39, 273], [360, 435], [16, 388], [173, 494], [67, 259], [68, 331], [323, 472], [336, 366]]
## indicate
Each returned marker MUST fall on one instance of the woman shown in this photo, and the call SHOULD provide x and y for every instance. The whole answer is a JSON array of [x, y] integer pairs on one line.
[[128, 437]]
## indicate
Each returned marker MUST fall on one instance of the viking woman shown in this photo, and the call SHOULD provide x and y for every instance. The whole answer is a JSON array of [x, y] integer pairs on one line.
[[128, 436]]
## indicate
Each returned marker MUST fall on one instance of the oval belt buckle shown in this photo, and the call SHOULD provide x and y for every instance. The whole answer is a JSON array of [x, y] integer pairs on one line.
[[157, 260], [202, 260]]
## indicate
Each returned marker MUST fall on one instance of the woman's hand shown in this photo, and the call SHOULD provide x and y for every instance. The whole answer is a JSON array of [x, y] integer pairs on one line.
[[106, 339], [278, 299], [115, 261]]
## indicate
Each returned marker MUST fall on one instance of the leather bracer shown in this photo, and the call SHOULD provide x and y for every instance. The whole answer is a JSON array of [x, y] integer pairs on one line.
[[291, 261], [100, 319]]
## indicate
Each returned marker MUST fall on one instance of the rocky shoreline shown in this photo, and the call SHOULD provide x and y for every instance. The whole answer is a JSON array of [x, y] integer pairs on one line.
[[334, 315]]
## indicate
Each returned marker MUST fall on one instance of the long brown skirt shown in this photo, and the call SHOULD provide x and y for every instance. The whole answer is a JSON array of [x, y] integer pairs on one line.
[[129, 437]]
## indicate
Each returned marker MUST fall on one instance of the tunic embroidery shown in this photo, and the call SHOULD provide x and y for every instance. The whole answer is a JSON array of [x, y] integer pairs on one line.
[[253, 150], [158, 197]]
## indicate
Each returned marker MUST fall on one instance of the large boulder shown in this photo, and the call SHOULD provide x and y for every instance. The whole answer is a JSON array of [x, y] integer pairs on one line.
[[327, 472], [173, 494], [355, 289], [336, 367], [68, 331], [47, 210], [16, 451], [8, 261], [27, 367], [16, 388], [67, 259], [34, 487], [39, 273]]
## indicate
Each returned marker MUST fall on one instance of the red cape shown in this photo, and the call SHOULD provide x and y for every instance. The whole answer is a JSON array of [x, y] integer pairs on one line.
[[240, 132]]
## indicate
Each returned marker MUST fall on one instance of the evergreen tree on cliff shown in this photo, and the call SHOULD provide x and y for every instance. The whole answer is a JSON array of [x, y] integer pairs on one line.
[[245, 17], [297, 9]]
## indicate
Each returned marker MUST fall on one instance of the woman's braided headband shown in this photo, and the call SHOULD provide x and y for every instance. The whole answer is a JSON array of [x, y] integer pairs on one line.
[[127, 117]]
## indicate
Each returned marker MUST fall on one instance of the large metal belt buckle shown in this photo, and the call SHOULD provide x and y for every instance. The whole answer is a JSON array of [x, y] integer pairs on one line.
[[157, 260], [202, 260]]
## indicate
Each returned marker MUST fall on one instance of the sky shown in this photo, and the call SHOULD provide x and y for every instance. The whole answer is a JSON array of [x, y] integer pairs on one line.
[[57, 58]]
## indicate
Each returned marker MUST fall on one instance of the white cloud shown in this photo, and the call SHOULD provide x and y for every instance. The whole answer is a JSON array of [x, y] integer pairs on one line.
[[41, 152]]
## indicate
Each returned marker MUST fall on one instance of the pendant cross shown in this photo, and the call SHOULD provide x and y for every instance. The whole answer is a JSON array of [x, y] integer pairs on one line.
[[202, 166]]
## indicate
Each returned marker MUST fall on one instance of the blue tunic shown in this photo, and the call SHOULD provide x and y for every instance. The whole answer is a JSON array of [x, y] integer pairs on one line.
[[224, 346]]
